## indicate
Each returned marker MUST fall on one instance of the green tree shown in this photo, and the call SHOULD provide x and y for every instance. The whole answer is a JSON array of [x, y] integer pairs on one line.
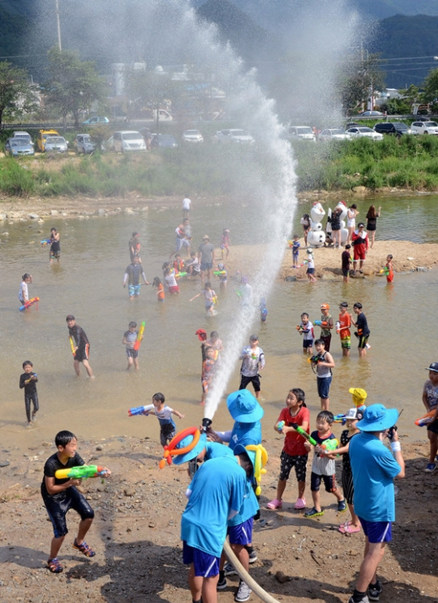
[[431, 86], [17, 94], [360, 77], [149, 90], [74, 85]]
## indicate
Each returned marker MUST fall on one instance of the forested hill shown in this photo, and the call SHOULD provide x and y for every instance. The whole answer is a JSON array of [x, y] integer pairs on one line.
[[407, 37]]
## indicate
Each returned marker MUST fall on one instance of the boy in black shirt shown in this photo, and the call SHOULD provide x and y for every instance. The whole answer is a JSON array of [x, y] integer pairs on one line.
[[60, 495], [363, 331], [28, 381]]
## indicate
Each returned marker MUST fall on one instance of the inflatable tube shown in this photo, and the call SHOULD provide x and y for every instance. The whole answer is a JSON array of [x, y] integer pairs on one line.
[[170, 449]]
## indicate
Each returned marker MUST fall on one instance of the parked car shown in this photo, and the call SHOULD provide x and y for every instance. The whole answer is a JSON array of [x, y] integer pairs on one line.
[[364, 132], [192, 136], [424, 127], [56, 144], [302, 132], [371, 114], [23, 135], [83, 144], [333, 134], [396, 128], [96, 120], [163, 141], [42, 135], [234, 135], [124, 141], [16, 147]]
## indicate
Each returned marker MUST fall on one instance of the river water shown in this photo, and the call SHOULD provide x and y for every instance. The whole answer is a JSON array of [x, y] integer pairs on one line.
[[88, 283]]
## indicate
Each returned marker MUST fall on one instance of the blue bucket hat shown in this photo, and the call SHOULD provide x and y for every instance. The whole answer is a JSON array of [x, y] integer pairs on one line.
[[191, 454], [378, 418], [243, 407]]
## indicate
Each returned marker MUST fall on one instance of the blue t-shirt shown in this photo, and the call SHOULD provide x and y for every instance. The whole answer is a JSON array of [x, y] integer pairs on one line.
[[214, 450], [374, 469], [218, 488], [246, 433]]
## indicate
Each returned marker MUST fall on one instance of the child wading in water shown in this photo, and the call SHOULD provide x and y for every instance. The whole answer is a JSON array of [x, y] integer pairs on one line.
[[28, 381], [129, 339], [294, 453], [305, 328], [158, 285], [323, 467], [310, 266], [210, 299], [388, 269]]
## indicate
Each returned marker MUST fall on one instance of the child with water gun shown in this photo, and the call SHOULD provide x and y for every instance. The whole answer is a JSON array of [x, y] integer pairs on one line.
[[352, 417], [164, 415], [389, 272], [129, 338], [28, 382], [225, 243], [305, 328], [343, 328], [430, 401], [323, 467], [222, 274], [295, 246], [158, 285], [60, 494], [210, 299], [55, 245], [294, 453]]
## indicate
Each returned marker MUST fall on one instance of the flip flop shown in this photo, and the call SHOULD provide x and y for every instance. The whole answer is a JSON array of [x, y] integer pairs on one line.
[[348, 529]]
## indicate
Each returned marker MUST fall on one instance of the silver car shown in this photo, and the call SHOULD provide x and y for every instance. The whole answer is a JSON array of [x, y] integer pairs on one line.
[[234, 135], [17, 147], [84, 144], [364, 132], [424, 127], [192, 136], [333, 134], [56, 144]]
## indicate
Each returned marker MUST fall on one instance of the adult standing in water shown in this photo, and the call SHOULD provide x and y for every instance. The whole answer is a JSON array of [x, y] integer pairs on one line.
[[206, 251], [371, 217], [80, 346], [55, 245], [134, 246], [186, 206]]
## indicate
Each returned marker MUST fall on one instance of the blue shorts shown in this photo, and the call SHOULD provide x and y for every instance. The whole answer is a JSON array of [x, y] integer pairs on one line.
[[307, 343], [206, 266], [134, 290], [377, 531], [323, 384], [242, 533], [204, 565], [310, 271], [131, 353]]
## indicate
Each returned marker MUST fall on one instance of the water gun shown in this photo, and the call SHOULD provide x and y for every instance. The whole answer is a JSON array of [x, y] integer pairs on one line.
[[72, 345], [180, 274], [384, 270], [338, 326], [137, 410], [140, 334], [261, 458], [29, 303], [220, 272], [81, 472], [279, 426], [340, 419], [314, 359], [321, 323], [45, 242], [328, 445], [426, 419]]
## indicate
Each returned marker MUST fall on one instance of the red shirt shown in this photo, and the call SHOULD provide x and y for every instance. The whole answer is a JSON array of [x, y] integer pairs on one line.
[[345, 324], [293, 441]]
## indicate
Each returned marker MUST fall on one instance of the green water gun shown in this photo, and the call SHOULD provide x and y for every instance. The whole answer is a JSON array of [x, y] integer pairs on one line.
[[328, 446], [81, 472]]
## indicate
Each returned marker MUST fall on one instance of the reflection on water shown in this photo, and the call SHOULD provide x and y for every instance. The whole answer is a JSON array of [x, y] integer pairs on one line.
[[88, 283]]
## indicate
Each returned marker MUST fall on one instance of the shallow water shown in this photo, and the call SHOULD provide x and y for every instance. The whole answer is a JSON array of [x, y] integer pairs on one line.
[[88, 283]]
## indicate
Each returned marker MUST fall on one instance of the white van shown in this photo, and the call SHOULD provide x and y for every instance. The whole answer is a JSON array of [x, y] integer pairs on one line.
[[126, 140]]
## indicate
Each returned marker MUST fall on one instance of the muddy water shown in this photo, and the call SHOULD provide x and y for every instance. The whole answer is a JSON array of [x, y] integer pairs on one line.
[[88, 283]]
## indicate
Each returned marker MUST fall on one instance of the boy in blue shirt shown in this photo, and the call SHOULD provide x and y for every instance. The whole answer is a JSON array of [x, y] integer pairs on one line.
[[216, 494]]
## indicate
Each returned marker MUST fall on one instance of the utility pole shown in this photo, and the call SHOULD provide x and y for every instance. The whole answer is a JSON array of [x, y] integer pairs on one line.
[[58, 23]]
